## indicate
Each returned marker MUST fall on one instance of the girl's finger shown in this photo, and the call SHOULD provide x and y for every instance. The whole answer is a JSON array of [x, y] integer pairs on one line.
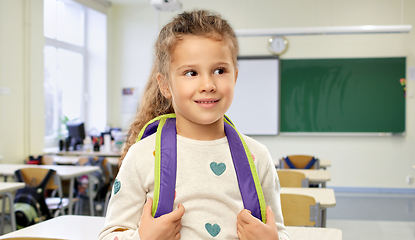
[[177, 214], [147, 208], [245, 216], [270, 217], [240, 236], [178, 227], [239, 227]]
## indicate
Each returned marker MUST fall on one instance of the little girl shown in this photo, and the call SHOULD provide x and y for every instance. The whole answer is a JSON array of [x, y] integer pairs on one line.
[[186, 173]]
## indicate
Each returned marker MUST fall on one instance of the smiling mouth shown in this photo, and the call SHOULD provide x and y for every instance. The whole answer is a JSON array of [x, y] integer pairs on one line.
[[207, 102]]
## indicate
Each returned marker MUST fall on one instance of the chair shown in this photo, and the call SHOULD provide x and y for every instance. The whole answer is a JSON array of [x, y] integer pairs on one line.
[[300, 210], [47, 160], [299, 162], [102, 187], [33, 176], [3, 197], [292, 179]]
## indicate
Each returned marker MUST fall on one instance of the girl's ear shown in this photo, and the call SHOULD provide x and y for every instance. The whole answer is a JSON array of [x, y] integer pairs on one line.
[[163, 85], [236, 74]]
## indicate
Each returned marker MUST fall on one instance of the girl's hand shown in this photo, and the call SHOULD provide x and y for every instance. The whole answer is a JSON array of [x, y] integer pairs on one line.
[[166, 227], [251, 228]]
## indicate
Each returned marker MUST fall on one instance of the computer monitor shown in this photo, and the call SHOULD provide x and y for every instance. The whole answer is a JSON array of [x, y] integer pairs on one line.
[[76, 133]]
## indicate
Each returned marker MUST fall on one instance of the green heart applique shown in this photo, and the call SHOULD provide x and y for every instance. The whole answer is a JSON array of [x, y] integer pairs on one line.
[[218, 169], [117, 186], [213, 230]]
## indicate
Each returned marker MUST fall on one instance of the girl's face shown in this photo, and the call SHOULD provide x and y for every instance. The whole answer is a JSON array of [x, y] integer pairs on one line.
[[202, 78]]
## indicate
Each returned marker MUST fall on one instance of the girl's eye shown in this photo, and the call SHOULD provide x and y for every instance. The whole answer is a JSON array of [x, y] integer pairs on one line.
[[219, 71], [190, 73]]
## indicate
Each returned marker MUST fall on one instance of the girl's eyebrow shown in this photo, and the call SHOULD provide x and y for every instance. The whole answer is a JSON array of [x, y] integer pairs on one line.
[[190, 66], [224, 63], [186, 66]]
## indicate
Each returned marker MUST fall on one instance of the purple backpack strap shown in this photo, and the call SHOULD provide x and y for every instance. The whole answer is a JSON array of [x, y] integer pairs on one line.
[[252, 197], [167, 168]]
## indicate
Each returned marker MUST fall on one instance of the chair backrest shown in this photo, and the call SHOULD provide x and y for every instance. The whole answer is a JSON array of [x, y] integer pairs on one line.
[[103, 178], [83, 160], [105, 167], [37, 180], [299, 162], [300, 210], [292, 178], [47, 160], [34, 176]]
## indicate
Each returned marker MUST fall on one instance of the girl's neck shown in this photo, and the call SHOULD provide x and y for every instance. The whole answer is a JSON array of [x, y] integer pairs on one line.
[[201, 132]]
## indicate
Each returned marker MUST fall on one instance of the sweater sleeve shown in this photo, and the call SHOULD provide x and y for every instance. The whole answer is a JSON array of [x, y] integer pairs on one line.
[[127, 199], [270, 184], [270, 187]]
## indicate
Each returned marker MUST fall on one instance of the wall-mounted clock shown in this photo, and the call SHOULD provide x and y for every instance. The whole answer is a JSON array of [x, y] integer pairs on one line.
[[278, 45]]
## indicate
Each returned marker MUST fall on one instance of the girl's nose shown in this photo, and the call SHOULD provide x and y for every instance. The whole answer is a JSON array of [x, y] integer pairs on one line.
[[207, 84]]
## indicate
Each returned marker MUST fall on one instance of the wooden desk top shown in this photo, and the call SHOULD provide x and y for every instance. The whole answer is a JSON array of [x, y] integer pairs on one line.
[[10, 186], [65, 172], [325, 196], [87, 228], [314, 176]]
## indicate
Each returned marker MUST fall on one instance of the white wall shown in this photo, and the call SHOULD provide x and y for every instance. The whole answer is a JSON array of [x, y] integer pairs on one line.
[[21, 71], [377, 162], [133, 32]]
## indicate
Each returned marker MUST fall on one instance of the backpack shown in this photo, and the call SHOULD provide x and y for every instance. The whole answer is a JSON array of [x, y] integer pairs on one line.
[[166, 165], [99, 180], [29, 203]]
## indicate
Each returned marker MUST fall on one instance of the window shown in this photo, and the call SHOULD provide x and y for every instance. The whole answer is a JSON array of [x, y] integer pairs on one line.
[[75, 68]]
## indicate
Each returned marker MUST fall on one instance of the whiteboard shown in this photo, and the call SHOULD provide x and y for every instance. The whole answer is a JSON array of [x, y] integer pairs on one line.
[[254, 110]]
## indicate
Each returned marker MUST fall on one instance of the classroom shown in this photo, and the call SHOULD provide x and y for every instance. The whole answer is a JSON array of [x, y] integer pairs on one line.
[[379, 164]]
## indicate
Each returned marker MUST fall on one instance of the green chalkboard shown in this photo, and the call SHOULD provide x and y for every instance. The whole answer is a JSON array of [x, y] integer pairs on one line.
[[362, 95]]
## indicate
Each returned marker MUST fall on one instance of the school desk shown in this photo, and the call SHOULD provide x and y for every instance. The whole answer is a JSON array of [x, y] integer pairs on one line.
[[315, 176], [5, 191], [76, 227], [72, 160], [65, 160], [86, 153], [314, 233], [325, 196], [64, 172]]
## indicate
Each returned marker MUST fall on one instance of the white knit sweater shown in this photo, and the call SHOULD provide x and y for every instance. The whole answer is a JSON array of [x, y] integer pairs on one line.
[[207, 197]]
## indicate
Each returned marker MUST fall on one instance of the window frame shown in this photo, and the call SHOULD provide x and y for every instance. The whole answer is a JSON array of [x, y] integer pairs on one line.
[[52, 140]]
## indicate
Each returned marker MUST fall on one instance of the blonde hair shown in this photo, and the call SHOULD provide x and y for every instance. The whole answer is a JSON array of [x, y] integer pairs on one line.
[[198, 23]]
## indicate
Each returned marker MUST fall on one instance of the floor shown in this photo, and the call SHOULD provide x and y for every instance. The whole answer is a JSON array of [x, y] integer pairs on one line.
[[365, 216]]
